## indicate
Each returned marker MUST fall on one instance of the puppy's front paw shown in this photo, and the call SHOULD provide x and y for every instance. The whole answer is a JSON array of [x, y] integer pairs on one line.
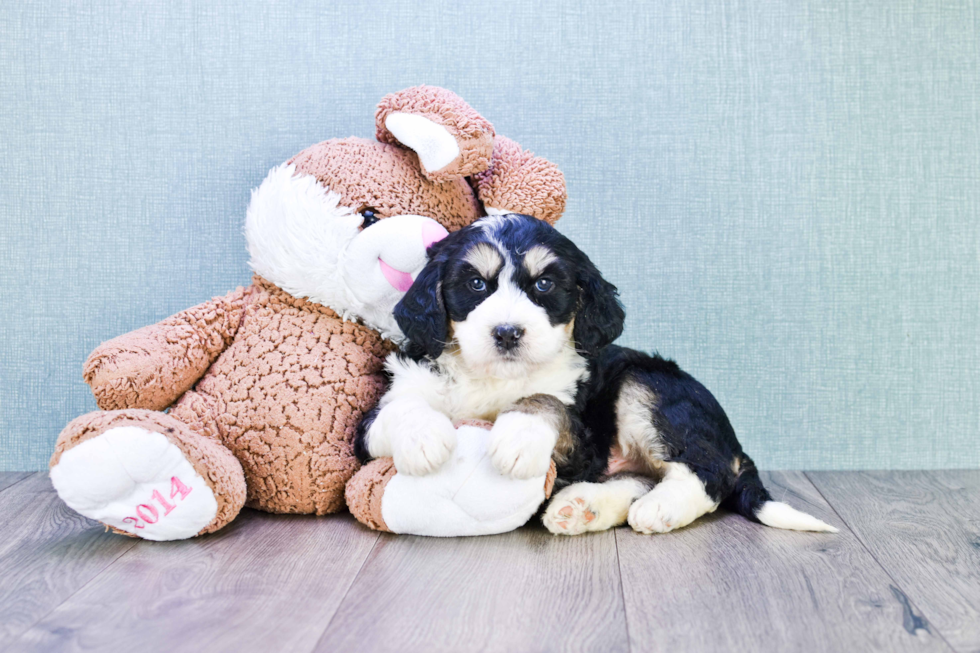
[[424, 441], [521, 445]]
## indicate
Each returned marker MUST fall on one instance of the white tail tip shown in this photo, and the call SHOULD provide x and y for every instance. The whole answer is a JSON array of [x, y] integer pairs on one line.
[[781, 515]]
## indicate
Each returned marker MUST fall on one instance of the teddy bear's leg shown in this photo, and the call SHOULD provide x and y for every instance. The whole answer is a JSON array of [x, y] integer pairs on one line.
[[146, 474], [365, 491], [519, 182]]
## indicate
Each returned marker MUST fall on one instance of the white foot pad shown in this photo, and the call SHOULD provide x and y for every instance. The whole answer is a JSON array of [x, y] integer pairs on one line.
[[465, 496], [137, 481]]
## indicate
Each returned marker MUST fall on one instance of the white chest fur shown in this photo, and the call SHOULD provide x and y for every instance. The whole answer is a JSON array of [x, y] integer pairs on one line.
[[449, 389]]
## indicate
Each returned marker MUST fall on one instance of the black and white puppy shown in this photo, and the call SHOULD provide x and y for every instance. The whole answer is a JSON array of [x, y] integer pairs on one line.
[[510, 322]]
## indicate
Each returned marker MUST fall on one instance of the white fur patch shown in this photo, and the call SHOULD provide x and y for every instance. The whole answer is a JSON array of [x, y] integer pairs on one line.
[[137, 481], [301, 239], [465, 496], [418, 438], [635, 432], [433, 143], [675, 502], [589, 507], [453, 390], [542, 341], [521, 444], [781, 515], [296, 231]]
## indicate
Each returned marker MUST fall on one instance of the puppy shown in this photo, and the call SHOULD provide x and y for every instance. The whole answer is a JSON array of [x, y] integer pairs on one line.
[[510, 322]]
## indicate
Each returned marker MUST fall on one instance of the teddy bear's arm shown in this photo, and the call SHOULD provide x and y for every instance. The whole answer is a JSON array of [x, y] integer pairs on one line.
[[451, 139], [152, 367], [519, 182]]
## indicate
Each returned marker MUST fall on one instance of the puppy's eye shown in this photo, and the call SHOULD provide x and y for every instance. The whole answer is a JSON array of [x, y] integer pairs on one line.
[[370, 217], [477, 284], [544, 285]]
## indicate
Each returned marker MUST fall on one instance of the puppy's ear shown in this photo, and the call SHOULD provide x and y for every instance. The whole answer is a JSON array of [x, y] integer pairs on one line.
[[421, 313], [599, 319]]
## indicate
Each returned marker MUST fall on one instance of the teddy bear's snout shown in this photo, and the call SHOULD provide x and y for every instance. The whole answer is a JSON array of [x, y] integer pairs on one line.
[[432, 232], [397, 247]]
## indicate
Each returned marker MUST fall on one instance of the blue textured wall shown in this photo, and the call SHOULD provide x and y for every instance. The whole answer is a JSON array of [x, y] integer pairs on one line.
[[787, 193]]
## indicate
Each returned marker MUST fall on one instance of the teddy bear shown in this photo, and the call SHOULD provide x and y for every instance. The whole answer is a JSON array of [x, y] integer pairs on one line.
[[253, 398]]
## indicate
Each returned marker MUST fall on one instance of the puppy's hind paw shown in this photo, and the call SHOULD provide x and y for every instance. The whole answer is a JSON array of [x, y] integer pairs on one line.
[[573, 511]]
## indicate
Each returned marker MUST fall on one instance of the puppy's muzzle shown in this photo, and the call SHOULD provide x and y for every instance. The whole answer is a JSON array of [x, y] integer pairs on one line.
[[507, 337]]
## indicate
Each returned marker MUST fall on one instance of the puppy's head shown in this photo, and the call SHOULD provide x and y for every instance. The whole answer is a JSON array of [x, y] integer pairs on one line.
[[512, 293]]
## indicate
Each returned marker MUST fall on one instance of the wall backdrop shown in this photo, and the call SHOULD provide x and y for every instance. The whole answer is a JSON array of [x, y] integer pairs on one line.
[[787, 193]]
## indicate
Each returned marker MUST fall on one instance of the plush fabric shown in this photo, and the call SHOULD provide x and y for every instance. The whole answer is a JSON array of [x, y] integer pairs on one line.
[[466, 496], [365, 492], [785, 192], [389, 179], [216, 464], [151, 367], [539, 180], [275, 377], [474, 135], [286, 397]]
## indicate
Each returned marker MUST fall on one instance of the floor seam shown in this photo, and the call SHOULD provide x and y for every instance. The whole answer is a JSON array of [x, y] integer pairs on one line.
[[622, 591], [875, 558], [340, 604], [21, 634], [19, 481]]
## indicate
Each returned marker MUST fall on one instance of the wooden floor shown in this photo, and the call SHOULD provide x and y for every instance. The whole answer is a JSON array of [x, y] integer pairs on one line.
[[903, 574]]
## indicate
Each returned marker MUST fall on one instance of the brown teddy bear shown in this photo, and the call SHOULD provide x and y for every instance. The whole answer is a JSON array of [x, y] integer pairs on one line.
[[265, 386]]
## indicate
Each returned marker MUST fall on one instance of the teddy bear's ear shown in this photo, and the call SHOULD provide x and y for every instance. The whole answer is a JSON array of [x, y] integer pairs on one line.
[[451, 139], [519, 182]]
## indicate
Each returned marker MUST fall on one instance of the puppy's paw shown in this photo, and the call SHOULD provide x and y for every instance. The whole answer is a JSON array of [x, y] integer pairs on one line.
[[574, 510], [419, 438], [662, 510], [521, 445]]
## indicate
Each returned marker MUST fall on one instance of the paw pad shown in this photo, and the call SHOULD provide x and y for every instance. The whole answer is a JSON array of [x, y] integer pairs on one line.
[[570, 516]]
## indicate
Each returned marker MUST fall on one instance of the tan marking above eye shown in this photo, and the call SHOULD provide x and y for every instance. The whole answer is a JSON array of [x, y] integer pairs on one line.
[[537, 259], [485, 259]]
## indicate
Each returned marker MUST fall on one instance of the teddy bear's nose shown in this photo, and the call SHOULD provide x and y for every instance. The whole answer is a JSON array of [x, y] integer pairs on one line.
[[432, 232]]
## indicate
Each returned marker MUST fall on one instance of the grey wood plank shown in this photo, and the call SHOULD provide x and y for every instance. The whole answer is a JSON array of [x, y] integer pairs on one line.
[[47, 553], [522, 591], [263, 583], [924, 529], [726, 584], [8, 479]]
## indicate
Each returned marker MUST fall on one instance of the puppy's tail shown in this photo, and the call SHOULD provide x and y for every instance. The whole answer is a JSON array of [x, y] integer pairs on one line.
[[752, 500]]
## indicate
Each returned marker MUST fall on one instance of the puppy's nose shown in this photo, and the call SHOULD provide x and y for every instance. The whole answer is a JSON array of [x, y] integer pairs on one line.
[[507, 336]]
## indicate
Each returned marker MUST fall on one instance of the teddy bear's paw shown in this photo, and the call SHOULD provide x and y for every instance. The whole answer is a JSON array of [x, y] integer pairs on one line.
[[421, 446], [521, 445], [137, 481]]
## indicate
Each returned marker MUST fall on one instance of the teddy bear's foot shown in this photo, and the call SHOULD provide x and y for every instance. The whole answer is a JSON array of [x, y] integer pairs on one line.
[[365, 491], [145, 474]]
